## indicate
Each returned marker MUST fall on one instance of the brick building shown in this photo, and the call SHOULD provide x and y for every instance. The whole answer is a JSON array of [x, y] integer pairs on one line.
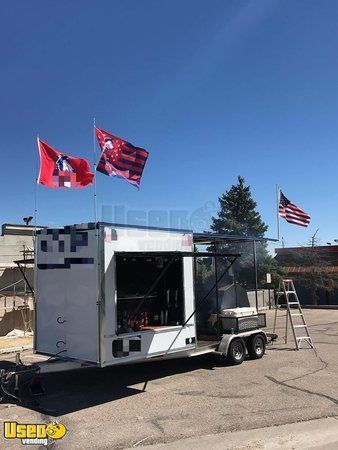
[[305, 263]]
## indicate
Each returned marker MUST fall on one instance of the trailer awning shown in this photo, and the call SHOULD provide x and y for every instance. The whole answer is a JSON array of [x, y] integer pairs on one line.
[[212, 238]]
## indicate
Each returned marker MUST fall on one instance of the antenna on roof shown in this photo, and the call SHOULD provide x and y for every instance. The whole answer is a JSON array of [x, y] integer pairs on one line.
[[27, 219]]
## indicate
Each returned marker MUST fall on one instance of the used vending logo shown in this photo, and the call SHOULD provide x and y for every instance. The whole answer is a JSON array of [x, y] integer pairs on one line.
[[34, 433]]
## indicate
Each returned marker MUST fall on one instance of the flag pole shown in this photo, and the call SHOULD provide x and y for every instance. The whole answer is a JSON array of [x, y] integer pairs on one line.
[[277, 211], [98, 274], [36, 190], [94, 161], [37, 177]]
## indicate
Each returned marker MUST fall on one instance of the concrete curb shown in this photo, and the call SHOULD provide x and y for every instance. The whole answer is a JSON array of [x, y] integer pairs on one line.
[[16, 349], [312, 434], [320, 306]]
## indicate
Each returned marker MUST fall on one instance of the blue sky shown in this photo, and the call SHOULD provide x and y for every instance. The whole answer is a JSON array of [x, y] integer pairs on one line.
[[212, 89]]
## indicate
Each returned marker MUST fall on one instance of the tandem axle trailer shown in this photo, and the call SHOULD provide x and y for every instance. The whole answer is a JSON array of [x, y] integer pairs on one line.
[[108, 294]]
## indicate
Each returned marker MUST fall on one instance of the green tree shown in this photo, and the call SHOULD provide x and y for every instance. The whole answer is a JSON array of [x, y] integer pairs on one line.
[[238, 216]]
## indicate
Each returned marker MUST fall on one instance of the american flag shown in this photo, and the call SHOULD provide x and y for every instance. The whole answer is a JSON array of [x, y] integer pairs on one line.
[[120, 158], [291, 213]]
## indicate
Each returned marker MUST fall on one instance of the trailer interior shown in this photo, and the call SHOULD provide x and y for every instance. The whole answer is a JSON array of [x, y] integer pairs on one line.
[[149, 292]]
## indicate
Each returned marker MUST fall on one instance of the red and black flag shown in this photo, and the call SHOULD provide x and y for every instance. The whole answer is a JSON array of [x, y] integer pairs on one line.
[[58, 170], [291, 213], [120, 158]]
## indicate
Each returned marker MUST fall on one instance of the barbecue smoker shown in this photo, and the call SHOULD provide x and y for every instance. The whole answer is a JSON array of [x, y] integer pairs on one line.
[[112, 294]]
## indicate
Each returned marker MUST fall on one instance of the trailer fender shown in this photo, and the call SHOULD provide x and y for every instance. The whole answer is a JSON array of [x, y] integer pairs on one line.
[[223, 346]]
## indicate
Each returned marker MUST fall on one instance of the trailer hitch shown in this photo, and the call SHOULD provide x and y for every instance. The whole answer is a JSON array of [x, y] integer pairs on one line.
[[13, 379]]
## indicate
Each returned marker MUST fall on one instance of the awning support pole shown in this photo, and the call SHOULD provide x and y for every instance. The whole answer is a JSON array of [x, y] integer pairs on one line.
[[256, 274], [217, 298]]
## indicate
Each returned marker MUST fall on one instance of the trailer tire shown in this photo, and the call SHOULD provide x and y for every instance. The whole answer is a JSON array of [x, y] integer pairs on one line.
[[256, 346], [237, 351]]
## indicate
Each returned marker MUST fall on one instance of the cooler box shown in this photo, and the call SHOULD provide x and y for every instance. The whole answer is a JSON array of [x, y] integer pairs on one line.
[[238, 312], [237, 320]]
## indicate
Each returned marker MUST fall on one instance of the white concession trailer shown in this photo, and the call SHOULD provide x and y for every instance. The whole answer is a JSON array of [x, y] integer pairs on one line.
[[109, 294]]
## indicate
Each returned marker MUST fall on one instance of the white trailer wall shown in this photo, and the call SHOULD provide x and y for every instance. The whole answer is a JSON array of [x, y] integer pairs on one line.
[[66, 287], [152, 342]]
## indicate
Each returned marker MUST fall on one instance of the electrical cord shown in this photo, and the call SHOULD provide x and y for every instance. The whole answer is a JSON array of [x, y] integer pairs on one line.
[[55, 355]]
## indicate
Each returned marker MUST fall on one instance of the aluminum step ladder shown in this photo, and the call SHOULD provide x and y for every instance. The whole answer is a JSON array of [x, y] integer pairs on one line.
[[294, 313]]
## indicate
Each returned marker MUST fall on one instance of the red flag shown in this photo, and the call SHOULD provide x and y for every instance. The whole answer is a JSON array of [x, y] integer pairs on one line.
[[58, 170], [120, 158]]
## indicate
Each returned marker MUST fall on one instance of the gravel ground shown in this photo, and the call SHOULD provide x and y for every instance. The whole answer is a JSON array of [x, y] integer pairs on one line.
[[166, 401]]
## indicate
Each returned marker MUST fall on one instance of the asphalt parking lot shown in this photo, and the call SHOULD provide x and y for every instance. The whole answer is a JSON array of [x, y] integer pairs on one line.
[[165, 401]]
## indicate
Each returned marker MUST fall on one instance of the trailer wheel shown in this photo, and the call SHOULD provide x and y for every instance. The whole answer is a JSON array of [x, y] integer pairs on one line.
[[237, 351], [256, 346]]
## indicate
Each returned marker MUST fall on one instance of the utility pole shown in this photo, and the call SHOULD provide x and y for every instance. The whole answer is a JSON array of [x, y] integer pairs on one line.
[[313, 237]]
